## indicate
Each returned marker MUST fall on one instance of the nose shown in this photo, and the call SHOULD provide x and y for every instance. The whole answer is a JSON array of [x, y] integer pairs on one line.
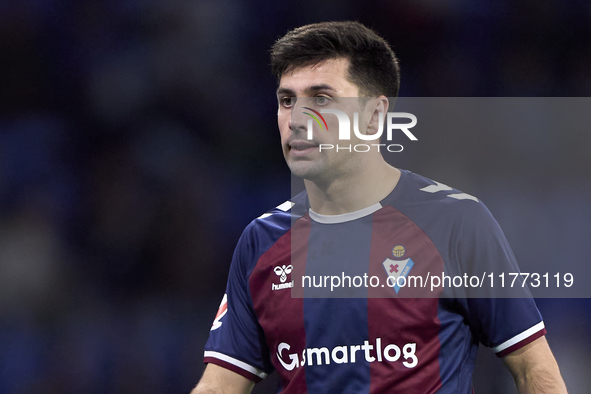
[[298, 122]]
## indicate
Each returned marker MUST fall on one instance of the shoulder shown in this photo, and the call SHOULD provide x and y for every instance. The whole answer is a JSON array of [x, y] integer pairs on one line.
[[278, 220], [264, 232], [429, 200], [418, 187]]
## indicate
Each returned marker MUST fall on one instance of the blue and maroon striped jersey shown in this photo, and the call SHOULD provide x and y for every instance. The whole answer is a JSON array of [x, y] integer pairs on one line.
[[281, 313]]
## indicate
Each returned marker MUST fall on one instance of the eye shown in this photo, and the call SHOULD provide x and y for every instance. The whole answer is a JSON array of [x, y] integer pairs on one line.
[[322, 100], [287, 102]]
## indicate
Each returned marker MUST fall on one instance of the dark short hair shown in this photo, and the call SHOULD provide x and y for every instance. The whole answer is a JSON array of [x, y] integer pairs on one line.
[[373, 66]]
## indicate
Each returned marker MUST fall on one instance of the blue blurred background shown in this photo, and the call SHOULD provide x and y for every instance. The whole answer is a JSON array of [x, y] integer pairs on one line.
[[138, 138]]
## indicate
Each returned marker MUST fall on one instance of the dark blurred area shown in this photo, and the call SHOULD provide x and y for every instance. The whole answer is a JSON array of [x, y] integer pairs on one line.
[[139, 138]]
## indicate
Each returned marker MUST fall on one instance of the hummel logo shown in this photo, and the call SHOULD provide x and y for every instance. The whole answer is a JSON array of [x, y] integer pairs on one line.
[[282, 272]]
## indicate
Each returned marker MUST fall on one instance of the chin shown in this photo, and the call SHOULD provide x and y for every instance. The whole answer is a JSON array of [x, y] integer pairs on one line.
[[305, 170]]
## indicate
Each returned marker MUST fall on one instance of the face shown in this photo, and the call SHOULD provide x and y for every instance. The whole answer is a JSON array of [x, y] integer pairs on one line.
[[323, 85]]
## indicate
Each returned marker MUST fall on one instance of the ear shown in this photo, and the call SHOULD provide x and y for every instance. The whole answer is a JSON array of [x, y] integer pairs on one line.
[[379, 108]]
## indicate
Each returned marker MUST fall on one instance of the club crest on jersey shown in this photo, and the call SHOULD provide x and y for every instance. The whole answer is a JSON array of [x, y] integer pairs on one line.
[[223, 309], [397, 269], [282, 272]]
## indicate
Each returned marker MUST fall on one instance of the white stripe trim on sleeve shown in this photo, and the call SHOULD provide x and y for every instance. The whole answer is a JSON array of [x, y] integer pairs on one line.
[[519, 337], [238, 363], [286, 206]]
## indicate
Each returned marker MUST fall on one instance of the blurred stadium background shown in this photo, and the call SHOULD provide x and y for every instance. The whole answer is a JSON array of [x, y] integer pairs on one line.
[[138, 138]]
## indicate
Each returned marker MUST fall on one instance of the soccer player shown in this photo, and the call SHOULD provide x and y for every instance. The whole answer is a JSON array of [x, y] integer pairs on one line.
[[361, 217]]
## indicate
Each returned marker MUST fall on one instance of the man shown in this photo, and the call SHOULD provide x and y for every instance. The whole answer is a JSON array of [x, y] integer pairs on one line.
[[360, 216]]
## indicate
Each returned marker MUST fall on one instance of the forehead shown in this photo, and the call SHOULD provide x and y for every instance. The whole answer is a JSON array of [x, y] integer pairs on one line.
[[330, 74]]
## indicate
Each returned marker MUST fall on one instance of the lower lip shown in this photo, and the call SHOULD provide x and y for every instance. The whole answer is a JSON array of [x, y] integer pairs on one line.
[[305, 152]]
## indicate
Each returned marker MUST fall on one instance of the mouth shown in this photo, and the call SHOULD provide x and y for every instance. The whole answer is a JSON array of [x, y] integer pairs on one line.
[[302, 148]]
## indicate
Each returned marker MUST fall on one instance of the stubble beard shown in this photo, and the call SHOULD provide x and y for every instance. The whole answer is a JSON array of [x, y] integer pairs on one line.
[[311, 170]]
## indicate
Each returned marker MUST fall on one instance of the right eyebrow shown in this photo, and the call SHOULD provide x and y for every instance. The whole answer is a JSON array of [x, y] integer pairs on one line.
[[285, 91]]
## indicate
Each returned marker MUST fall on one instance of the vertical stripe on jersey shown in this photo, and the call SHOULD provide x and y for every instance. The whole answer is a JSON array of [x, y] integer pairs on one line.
[[458, 350], [280, 315], [336, 319], [402, 321]]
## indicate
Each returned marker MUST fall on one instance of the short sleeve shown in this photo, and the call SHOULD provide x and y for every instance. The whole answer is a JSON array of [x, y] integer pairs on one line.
[[504, 318], [236, 340]]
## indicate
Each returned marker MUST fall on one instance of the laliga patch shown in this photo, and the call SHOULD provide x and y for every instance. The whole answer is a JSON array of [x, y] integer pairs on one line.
[[397, 271]]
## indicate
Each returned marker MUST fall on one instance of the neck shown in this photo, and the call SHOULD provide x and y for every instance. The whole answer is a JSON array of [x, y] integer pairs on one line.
[[353, 191]]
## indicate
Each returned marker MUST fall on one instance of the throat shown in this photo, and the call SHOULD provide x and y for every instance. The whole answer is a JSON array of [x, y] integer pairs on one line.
[[350, 195]]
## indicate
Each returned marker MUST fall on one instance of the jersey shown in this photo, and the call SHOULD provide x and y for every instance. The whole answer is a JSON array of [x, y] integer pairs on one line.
[[361, 338]]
